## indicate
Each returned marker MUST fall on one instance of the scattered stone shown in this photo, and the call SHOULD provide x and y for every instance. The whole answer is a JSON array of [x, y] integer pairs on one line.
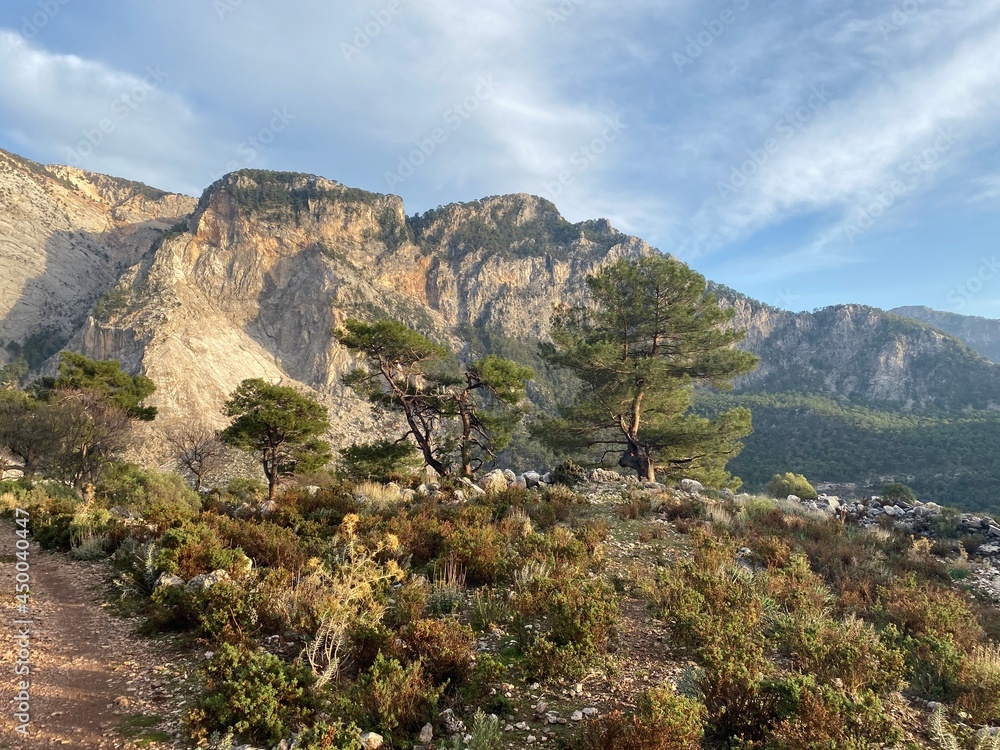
[[426, 734], [576, 716], [451, 723], [168, 581]]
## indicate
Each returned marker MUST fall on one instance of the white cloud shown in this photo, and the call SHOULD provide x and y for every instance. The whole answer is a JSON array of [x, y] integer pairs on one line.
[[91, 115]]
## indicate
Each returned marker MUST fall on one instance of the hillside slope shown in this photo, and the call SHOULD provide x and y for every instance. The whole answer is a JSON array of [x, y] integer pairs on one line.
[[250, 280], [982, 334], [65, 237]]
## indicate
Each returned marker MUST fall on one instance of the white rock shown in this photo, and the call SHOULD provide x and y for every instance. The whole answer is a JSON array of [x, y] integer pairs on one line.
[[205, 582], [692, 485], [166, 580], [794, 499], [494, 482], [576, 716], [426, 734], [371, 741]]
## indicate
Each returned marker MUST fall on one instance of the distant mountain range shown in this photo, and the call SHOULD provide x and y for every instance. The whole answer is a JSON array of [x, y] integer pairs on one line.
[[249, 280], [982, 334]]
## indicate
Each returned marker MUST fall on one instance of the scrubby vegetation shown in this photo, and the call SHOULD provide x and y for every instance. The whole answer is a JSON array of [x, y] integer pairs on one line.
[[353, 607]]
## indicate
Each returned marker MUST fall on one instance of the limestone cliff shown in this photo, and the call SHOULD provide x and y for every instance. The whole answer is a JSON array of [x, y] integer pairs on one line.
[[269, 264], [65, 238], [982, 334]]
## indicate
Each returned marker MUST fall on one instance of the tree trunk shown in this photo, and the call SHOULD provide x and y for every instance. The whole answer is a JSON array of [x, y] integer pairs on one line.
[[640, 461]]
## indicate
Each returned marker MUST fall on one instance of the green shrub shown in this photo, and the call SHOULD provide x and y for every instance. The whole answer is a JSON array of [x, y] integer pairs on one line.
[[195, 549], [783, 485], [253, 694], [398, 699], [895, 492], [980, 685], [444, 647], [569, 474], [162, 499], [665, 721], [326, 736], [381, 461], [824, 718], [266, 543]]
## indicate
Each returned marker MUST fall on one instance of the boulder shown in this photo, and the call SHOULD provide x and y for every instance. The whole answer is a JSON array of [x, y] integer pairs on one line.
[[471, 486], [206, 581], [510, 476], [451, 723], [692, 485], [371, 741], [494, 482], [794, 499], [426, 734], [532, 478]]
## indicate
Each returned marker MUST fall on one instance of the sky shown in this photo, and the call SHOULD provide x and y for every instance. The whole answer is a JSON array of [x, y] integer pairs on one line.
[[804, 153]]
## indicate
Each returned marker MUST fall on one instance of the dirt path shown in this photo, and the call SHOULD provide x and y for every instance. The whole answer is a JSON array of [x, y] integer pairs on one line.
[[94, 682]]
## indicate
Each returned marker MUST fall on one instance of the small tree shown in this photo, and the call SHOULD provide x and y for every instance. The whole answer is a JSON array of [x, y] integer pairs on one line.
[[897, 491], [105, 378], [378, 461], [651, 333], [280, 425], [407, 372], [70, 425], [783, 485], [197, 449]]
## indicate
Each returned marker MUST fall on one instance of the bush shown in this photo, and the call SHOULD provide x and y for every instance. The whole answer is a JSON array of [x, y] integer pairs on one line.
[[398, 699], [783, 485], [195, 549], [162, 499], [895, 492], [253, 694], [569, 474], [665, 722], [934, 628], [980, 685], [444, 647], [325, 736], [265, 543], [381, 461]]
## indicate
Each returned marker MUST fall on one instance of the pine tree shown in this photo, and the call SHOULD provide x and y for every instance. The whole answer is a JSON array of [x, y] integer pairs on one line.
[[650, 335]]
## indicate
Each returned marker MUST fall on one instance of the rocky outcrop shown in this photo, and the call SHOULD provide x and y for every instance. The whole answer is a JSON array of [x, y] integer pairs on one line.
[[66, 236], [981, 334], [861, 355], [269, 264]]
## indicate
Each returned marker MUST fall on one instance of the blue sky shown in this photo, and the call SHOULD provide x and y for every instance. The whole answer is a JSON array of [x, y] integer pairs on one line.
[[804, 153]]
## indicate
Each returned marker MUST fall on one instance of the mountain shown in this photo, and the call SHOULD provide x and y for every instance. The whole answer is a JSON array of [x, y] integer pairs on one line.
[[982, 334], [250, 280], [66, 236]]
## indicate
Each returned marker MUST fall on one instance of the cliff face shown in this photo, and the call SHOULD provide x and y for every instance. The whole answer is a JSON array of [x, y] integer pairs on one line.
[[269, 264], [250, 280], [862, 355], [981, 334], [65, 237]]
